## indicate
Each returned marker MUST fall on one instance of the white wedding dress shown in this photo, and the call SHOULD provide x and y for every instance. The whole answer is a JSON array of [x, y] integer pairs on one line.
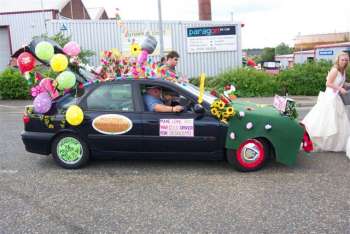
[[327, 123]]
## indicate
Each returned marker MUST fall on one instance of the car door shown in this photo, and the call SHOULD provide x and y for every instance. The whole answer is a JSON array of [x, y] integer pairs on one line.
[[112, 118], [182, 132]]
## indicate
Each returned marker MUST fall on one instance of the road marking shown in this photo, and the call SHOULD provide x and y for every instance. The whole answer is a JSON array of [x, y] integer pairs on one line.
[[12, 106], [8, 171]]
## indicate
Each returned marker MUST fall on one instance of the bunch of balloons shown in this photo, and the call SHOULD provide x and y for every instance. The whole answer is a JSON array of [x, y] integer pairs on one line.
[[48, 88]]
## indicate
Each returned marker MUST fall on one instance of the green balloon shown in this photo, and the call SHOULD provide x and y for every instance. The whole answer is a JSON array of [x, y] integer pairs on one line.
[[66, 80], [44, 50]]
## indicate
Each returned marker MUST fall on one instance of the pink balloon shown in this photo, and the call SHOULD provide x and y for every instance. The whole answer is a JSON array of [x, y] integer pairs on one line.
[[48, 86], [71, 48]]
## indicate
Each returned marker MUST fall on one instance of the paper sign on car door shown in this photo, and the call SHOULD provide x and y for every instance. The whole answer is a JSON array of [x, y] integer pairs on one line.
[[176, 127]]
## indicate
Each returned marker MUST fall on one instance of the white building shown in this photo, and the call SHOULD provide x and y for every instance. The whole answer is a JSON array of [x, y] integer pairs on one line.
[[286, 60], [330, 51], [303, 56]]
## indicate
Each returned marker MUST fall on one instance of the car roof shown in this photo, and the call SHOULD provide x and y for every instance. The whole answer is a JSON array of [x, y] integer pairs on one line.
[[146, 81]]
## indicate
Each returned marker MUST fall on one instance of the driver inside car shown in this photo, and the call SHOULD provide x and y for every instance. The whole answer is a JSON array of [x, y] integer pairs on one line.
[[153, 102], [170, 98]]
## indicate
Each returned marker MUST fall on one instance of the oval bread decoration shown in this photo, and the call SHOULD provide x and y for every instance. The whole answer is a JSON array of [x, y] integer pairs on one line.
[[112, 124]]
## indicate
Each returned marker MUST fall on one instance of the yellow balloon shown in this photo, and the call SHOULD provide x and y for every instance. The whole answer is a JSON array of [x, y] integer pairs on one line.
[[59, 62], [74, 115]]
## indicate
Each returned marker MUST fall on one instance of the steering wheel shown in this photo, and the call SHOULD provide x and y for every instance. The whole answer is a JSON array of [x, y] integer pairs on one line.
[[188, 107]]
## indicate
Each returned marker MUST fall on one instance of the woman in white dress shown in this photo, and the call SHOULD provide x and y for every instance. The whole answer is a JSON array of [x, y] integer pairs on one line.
[[327, 123]]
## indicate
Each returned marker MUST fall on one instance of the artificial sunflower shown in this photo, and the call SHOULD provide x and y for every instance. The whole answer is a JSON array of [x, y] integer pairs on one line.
[[221, 105], [215, 104], [116, 53], [214, 111], [226, 115], [135, 49], [230, 110]]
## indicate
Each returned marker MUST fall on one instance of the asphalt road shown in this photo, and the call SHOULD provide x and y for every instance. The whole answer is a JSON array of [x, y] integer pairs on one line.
[[36, 196]]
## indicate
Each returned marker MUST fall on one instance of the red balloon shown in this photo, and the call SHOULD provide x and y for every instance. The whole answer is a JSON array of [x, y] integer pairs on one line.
[[25, 62]]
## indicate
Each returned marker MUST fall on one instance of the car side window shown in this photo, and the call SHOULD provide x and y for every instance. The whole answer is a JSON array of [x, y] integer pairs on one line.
[[112, 97], [171, 97]]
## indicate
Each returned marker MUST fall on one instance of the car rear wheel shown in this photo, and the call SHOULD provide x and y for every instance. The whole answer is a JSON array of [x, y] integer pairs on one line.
[[69, 151], [251, 155]]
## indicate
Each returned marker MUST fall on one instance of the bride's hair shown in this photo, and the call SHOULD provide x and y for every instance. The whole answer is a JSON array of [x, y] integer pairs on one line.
[[337, 60]]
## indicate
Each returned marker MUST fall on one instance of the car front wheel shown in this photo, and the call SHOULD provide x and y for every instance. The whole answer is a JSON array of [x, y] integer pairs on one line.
[[251, 155], [69, 151]]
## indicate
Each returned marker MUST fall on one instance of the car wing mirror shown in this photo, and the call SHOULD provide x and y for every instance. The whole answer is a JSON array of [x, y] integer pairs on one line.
[[199, 109]]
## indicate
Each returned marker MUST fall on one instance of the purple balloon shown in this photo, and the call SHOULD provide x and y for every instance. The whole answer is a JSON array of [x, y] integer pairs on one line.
[[42, 103]]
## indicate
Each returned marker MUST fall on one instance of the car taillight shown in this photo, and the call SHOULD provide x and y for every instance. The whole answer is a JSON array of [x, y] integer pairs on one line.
[[26, 119], [307, 143]]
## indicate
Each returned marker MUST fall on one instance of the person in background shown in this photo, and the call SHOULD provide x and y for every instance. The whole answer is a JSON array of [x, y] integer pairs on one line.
[[327, 122], [161, 62], [172, 59], [153, 102]]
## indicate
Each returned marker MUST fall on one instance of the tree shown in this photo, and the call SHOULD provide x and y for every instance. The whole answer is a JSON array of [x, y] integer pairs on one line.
[[283, 48], [268, 54]]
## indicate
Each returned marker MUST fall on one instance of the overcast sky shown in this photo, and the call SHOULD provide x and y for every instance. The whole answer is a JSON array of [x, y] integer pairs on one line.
[[267, 23]]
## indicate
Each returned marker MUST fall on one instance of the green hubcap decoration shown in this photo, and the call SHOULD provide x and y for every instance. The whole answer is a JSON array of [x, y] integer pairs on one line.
[[69, 150]]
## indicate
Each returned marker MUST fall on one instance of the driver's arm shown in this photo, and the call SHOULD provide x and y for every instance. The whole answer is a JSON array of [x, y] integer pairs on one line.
[[165, 108]]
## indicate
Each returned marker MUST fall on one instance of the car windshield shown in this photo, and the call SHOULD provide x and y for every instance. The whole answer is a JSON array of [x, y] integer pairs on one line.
[[86, 74], [207, 97]]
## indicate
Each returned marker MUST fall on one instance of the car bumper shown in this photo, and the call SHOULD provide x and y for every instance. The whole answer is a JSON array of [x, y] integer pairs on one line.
[[37, 142]]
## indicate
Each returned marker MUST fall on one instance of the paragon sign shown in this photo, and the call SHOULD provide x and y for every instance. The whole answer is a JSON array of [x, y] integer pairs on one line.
[[211, 39]]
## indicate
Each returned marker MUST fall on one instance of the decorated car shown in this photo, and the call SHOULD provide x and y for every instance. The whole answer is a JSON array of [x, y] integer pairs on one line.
[[82, 113]]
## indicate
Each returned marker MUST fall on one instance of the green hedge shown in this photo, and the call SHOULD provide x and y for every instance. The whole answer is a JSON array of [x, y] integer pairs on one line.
[[302, 79], [248, 82], [13, 85]]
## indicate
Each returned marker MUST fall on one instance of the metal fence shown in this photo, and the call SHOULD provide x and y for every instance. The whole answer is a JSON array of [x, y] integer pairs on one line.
[[99, 35]]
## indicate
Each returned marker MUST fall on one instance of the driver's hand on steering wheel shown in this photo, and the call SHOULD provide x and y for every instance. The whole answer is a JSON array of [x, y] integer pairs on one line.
[[178, 108]]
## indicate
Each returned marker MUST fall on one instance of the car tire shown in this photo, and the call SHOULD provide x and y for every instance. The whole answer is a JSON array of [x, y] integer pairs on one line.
[[70, 151], [251, 155]]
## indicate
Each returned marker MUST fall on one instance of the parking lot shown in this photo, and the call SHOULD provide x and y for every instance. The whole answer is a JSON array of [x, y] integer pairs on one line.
[[129, 196]]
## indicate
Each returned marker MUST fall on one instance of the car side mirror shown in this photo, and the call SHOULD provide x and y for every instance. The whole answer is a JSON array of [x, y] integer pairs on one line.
[[199, 109]]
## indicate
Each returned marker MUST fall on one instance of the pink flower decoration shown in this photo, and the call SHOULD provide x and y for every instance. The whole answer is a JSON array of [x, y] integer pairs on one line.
[[37, 90]]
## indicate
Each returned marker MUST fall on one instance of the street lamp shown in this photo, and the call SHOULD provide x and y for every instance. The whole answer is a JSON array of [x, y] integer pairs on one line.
[[160, 27]]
